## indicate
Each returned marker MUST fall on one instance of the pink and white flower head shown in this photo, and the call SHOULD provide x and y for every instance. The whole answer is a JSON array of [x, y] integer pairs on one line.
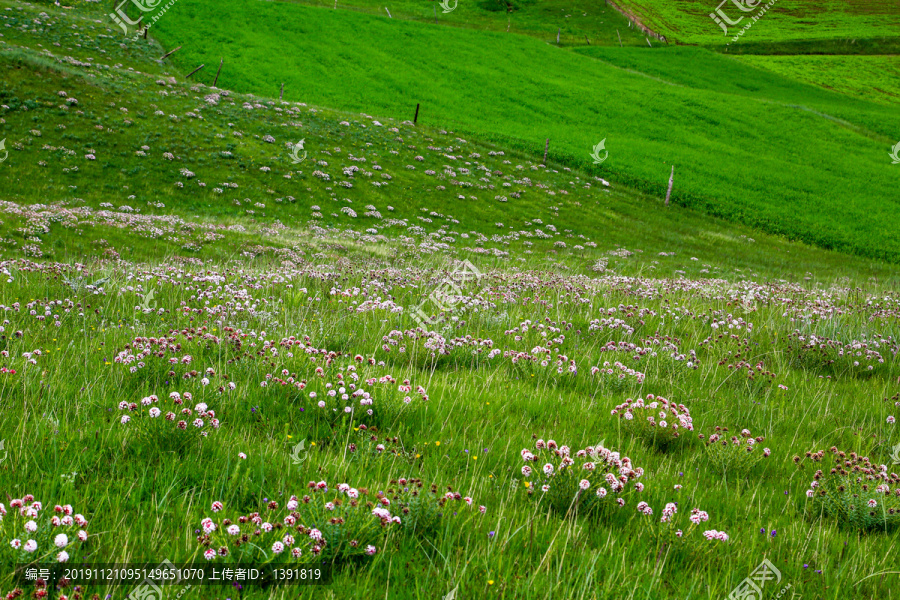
[[30, 546], [277, 547], [61, 540], [16, 543], [315, 534], [217, 506], [370, 550], [210, 554], [62, 557], [584, 484], [296, 552], [548, 469], [30, 526], [208, 525], [82, 536], [233, 530], [266, 527]]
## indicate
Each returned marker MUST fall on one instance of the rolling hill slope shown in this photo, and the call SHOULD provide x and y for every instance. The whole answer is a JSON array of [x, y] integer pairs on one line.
[[735, 158]]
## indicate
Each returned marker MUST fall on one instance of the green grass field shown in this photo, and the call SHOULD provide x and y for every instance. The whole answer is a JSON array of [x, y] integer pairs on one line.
[[734, 157], [577, 22], [875, 78], [210, 350], [825, 22]]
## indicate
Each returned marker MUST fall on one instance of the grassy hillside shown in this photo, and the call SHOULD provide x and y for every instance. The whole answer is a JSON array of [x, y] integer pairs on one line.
[[734, 156], [578, 22], [174, 162], [825, 21], [875, 78], [161, 250]]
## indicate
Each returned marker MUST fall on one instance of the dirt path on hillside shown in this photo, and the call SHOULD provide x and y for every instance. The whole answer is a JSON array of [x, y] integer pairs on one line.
[[637, 22]]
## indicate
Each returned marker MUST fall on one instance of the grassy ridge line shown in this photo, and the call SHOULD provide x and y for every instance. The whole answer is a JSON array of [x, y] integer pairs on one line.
[[787, 21], [578, 22], [752, 77], [737, 160], [874, 78], [35, 78]]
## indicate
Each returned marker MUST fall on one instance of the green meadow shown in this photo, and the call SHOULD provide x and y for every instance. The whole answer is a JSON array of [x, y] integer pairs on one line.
[[418, 358], [775, 157], [822, 22]]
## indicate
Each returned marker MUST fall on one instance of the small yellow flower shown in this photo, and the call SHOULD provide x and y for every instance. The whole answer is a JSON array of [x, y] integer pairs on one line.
[[418, 455], [528, 484], [290, 436], [490, 582], [437, 443], [313, 444], [474, 458]]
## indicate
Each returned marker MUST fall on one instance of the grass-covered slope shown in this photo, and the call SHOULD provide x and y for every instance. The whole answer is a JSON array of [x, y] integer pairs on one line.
[[577, 22], [181, 169], [875, 78], [768, 159], [157, 240], [822, 21]]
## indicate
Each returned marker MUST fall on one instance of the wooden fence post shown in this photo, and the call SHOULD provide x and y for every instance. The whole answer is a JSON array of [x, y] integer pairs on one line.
[[194, 71], [170, 53], [219, 71], [546, 147], [416, 118], [671, 181]]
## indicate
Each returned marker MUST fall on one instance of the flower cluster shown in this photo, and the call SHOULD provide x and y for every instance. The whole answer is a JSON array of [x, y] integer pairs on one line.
[[319, 524], [656, 420], [201, 418], [669, 530], [735, 453], [335, 390], [326, 523], [369, 444], [587, 481], [33, 535], [855, 491]]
